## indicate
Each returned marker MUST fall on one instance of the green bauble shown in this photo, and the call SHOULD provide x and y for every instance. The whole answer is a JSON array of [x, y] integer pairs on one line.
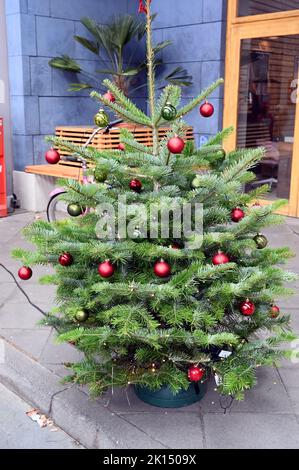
[[82, 316], [100, 175], [261, 241], [196, 183], [101, 119], [75, 210], [169, 112]]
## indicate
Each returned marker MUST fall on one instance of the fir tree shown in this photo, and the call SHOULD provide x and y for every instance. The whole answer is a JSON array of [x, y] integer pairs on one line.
[[135, 327]]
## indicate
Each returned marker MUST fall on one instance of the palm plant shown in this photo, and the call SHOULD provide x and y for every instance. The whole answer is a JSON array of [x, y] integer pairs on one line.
[[116, 46]]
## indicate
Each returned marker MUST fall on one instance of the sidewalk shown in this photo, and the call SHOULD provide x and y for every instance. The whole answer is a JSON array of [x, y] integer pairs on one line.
[[31, 365]]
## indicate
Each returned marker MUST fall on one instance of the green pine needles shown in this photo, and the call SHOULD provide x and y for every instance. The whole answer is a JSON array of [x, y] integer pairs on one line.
[[133, 326]]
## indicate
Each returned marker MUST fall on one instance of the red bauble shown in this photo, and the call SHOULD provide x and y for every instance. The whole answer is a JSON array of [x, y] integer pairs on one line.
[[162, 269], [176, 145], [136, 185], [121, 147], [275, 311], [109, 97], [247, 308], [195, 374], [237, 214], [176, 246], [220, 258], [66, 259], [106, 269], [52, 157], [207, 110], [25, 273]]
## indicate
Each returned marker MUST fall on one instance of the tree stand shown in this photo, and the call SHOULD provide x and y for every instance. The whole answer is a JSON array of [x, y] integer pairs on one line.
[[164, 398]]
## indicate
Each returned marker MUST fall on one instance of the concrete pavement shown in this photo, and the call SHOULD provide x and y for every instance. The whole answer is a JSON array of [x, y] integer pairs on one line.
[[32, 365], [18, 431]]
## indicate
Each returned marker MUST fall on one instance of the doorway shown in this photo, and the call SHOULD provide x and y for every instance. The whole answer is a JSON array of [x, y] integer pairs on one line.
[[261, 102]]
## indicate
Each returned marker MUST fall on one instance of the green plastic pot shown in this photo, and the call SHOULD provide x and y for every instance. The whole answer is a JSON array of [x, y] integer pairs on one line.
[[164, 397]]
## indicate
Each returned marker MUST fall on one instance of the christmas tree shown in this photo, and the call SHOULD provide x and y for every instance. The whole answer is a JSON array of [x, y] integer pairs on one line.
[[156, 309]]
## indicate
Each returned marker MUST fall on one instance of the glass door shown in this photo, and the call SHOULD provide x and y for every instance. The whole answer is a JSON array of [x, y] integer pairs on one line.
[[261, 102], [267, 107]]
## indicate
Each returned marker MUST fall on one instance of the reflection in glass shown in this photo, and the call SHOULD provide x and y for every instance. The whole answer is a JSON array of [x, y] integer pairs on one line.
[[259, 7], [267, 107]]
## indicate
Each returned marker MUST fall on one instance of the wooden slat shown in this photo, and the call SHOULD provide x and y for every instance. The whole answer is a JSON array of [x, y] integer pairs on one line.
[[57, 171], [79, 135]]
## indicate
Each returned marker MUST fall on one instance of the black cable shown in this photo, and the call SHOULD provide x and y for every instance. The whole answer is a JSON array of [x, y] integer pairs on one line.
[[225, 408], [23, 292]]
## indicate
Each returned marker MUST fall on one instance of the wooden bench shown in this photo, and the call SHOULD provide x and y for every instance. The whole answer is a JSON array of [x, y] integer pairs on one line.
[[35, 184]]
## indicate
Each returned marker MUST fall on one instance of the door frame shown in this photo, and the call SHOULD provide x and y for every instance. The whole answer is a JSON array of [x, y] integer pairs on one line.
[[251, 27]]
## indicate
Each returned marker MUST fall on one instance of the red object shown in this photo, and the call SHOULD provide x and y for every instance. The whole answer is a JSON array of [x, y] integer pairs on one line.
[[136, 185], [176, 145], [52, 157], [106, 269], [220, 258], [247, 308], [25, 273], [142, 8], [66, 259], [3, 198], [109, 97], [275, 311], [176, 246], [237, 214], [162, 269], [207, 110], [121, 147], [195, 374]]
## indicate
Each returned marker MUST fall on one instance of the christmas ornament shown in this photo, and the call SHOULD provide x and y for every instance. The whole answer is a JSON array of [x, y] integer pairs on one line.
[[275, 311], [52, 156], [142, 8], [106, 269], [75, 210], [247, 308], [176, 145], [220, 258], [237, 214], [136, 185], [169, 112], [207, 110], [100, 175], [261, 241], [162, 269], [121, 147], [101, 119], [66, 259], [82, 316], [109, 97], [25, 273], [196, 182], [195, 374], [176, 246]]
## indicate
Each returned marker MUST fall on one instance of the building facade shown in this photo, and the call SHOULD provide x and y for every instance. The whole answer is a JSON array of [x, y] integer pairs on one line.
[[254, 43]]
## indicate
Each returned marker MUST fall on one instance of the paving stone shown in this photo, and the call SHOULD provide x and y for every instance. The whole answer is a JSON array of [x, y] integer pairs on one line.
[[32, 342], [54, 353], [27, 378], [251, 431], [174, 430], [96, 426], [19, 315], [269, 395], [6, 290], [18, 431]]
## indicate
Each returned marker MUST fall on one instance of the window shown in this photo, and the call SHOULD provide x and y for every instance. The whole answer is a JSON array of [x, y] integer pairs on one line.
[[258, 7]]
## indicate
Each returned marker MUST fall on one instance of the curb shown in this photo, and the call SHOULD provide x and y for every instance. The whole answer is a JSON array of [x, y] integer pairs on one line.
[[88, 422]]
